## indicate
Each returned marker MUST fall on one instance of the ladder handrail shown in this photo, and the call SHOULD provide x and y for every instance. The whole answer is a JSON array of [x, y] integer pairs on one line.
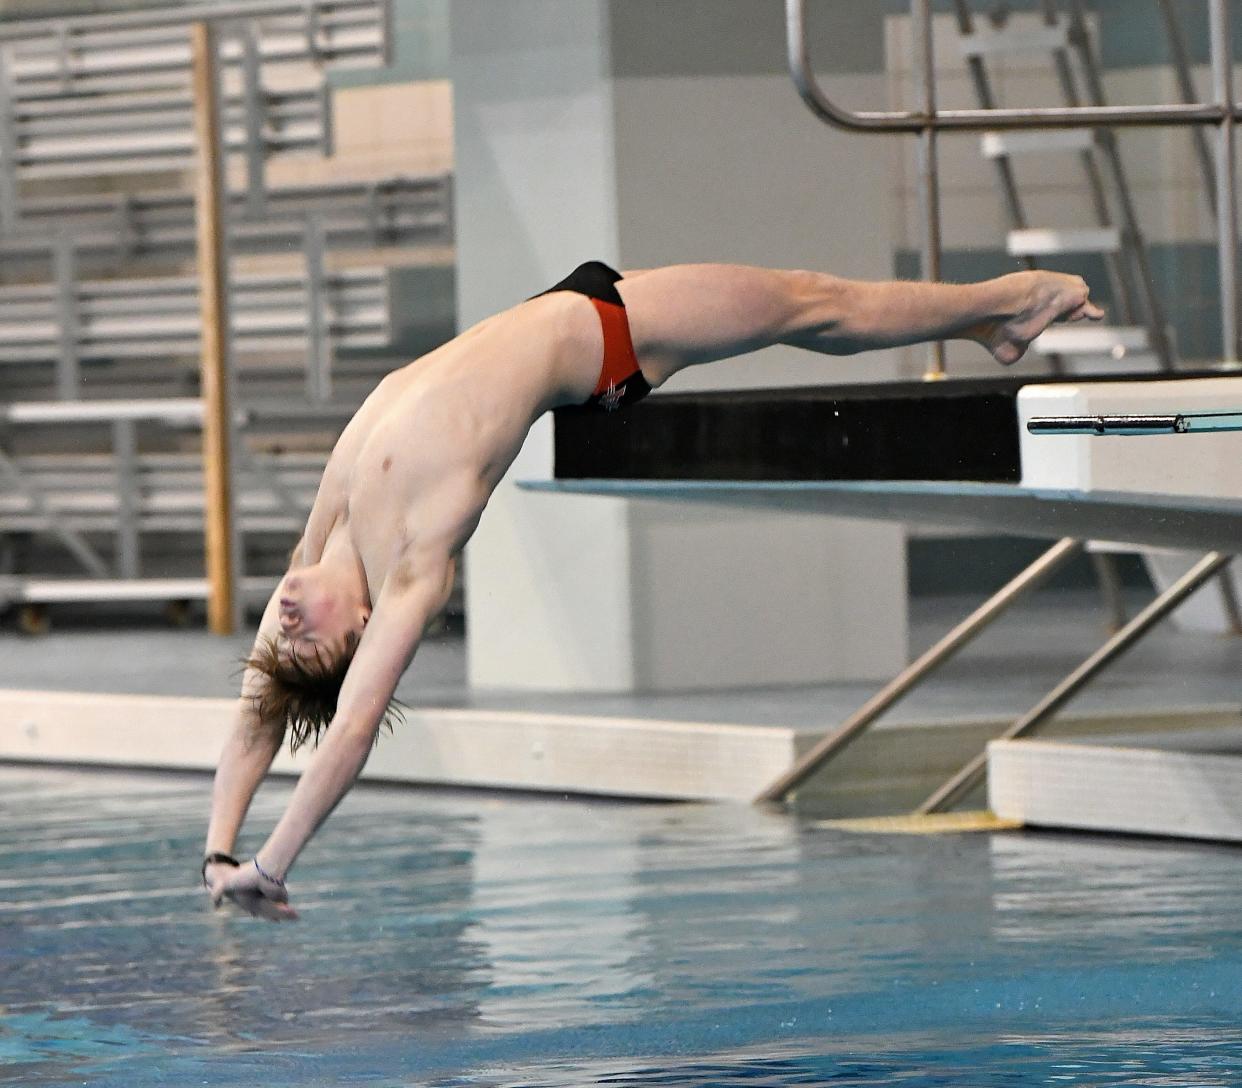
[[977, 120]]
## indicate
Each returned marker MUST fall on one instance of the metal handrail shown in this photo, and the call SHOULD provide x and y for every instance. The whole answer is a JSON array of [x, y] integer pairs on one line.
[[978, 120], [1226, 177], [1222, 114]]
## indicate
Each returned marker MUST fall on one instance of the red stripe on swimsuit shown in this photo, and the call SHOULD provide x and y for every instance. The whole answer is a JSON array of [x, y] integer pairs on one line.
[[620, 364]]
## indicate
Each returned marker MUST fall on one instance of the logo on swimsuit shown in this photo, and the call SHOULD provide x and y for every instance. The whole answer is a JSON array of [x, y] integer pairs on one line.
[[610, 398]]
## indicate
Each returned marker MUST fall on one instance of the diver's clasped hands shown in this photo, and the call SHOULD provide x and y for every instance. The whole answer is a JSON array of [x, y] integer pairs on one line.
[[248, 886]]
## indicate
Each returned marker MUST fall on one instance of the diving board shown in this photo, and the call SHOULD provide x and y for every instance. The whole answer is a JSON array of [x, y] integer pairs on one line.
[[1165, 521]]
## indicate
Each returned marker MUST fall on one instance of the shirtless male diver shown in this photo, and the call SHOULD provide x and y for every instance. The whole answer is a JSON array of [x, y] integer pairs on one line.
[[412, 471]]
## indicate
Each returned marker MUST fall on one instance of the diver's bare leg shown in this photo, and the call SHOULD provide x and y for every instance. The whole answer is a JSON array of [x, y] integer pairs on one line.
[[687, 314]]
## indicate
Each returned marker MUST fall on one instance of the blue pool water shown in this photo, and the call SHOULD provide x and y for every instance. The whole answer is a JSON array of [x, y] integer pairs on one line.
[[467, 939]]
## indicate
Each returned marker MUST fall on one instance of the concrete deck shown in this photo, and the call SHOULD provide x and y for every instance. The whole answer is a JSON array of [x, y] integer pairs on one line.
[[172, 691]]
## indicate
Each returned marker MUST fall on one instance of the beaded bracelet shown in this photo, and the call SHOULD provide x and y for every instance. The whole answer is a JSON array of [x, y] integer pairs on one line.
[[216, 857], [266, 875]]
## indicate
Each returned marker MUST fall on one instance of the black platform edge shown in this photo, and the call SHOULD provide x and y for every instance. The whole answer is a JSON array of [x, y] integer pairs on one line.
[[959, 429]]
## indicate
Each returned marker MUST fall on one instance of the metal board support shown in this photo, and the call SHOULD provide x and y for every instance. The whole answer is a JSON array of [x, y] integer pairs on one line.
[[969, 776], [906, 681]]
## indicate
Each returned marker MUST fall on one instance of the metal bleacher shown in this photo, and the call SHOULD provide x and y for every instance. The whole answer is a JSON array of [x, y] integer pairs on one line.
[[100, 94], [73, 323], [109, 228], [101, 481]]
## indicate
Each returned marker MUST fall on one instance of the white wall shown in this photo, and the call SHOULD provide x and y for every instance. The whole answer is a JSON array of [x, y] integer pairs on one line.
[[644, 133], [535, 197]]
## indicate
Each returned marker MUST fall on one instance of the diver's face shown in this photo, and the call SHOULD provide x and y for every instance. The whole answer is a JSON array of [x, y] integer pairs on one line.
[[316, 613]]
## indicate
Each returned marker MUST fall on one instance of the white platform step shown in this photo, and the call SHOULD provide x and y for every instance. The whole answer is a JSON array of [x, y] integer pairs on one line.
[[1188, 786], [998, 145], [989, 41], [555, 753], [1117, 341], [890, 769], [19, 590], [1044, 242]]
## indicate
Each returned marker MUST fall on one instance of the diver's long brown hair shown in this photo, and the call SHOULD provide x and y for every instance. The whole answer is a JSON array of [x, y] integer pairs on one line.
[[299, 692]]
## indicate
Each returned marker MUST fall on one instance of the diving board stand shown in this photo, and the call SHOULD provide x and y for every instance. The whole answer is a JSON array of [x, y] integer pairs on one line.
[[1187, 498]]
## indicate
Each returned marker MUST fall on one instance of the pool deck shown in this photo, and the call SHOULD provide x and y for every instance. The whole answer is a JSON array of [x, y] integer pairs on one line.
[[153, 696]]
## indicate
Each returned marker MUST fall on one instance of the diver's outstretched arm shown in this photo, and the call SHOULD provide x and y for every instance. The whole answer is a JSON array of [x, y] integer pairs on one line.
[[406, 605], [244, 761]]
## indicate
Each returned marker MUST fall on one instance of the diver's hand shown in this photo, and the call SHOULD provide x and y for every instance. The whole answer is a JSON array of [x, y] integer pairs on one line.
[[254, 892], [215, 873]]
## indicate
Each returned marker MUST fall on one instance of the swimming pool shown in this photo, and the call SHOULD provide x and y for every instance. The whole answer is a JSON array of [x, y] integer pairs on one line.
[[472, 939]]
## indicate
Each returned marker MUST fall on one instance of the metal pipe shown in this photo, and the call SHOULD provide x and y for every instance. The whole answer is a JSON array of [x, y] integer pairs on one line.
[[319, 353], [1198, 113], [1107, 143], [1032, 577], [1229, 602], [966, 779], [255, 116], [929, 165], [9, 210], [1226, 180], [1004, 168], [64, 267], [1118, 269], [983, 92], [1110, 587], [1186, 87], [125, 448]]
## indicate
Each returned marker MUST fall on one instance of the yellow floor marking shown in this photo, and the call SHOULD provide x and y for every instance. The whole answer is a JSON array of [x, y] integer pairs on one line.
[[935, 823]]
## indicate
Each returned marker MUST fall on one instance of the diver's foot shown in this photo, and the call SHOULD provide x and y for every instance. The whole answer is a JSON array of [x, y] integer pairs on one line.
[[1035, 300]]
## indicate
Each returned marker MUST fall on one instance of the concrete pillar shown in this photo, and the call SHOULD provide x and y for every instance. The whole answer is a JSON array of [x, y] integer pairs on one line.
[[645, 132]]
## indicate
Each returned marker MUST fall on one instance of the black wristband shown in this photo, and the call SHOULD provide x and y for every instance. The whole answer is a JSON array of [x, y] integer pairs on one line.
[[217, 858]]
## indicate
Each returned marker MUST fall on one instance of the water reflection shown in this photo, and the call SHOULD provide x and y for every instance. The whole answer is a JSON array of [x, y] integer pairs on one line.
[[553, 900], [1099, 896], [473, 939]]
